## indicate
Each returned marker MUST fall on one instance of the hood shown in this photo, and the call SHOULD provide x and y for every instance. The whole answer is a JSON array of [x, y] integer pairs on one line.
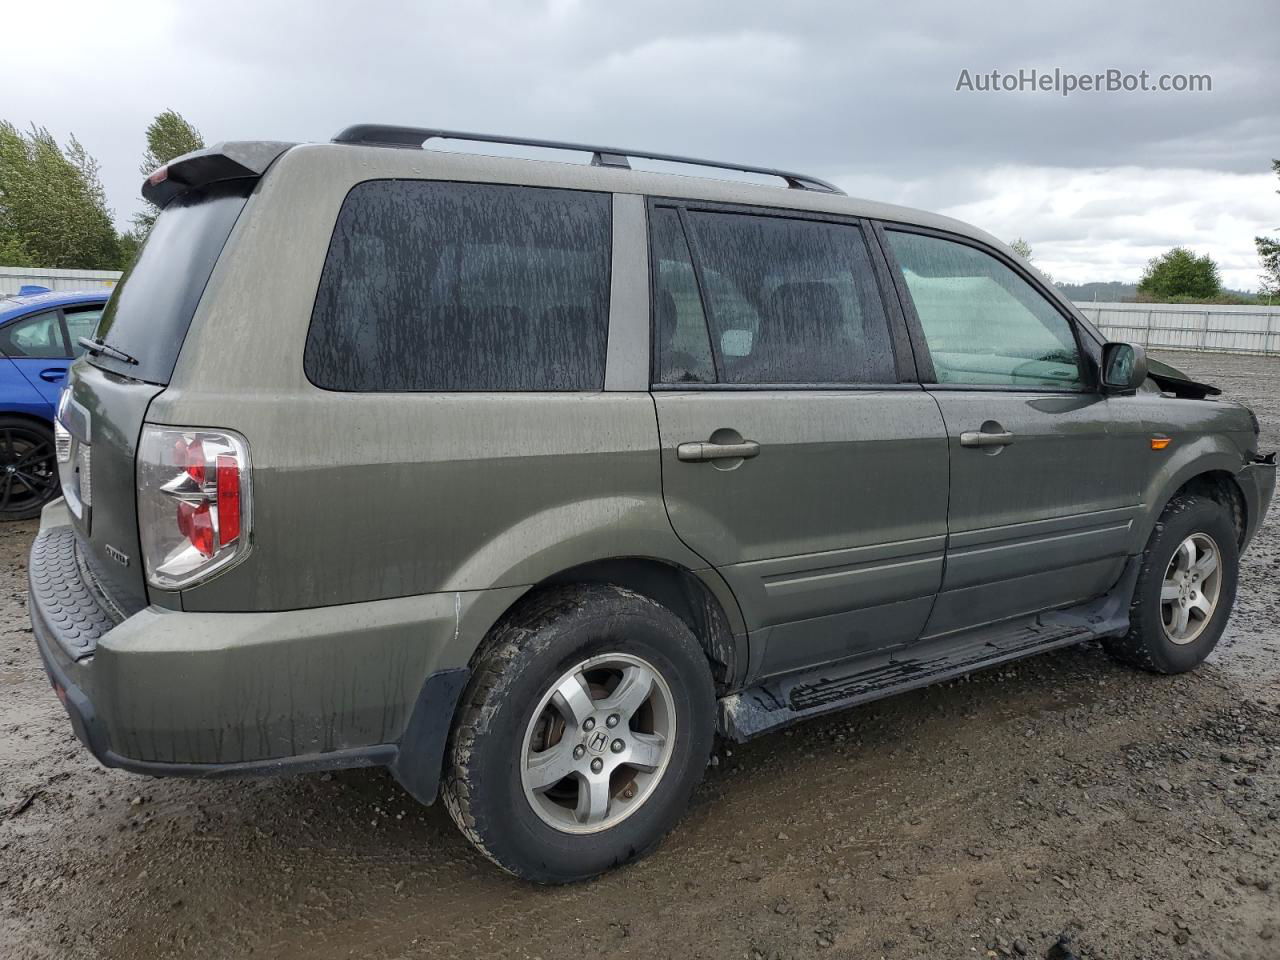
[[1172, 380]]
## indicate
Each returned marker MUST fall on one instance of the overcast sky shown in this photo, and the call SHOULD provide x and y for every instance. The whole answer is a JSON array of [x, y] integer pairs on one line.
[[862, 94]]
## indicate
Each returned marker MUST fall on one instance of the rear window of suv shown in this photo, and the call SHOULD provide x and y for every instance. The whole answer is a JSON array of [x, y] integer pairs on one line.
[[437, 286], [151, 308]]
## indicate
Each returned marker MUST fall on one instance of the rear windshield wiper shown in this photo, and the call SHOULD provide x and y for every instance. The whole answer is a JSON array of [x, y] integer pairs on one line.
[[98, 348]]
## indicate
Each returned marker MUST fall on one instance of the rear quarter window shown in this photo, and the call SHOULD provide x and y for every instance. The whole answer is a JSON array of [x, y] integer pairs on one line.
[[81, 322], [437, 286]]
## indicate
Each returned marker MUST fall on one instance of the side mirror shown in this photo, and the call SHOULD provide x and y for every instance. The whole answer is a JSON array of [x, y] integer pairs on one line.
[[1124, 367]]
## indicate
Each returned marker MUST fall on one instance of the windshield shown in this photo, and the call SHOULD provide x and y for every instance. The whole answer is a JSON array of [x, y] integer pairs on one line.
[[151, 308]]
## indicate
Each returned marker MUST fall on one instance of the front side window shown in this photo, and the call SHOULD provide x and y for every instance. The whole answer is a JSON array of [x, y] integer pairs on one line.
[[437, 286], [37, 336], [791, 301], [982, 322]]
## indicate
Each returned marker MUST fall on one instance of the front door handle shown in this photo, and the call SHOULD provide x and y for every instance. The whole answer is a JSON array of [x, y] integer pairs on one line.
[[703, 450], [53, 374], [978, 438]]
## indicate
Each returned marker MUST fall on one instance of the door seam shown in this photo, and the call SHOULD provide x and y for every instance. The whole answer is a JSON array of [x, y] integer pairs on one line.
[[946, 541], [662, 494]]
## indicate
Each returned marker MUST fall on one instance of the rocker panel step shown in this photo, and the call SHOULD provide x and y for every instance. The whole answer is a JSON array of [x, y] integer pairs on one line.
[[928, 661], [784, 701], [781, 701]]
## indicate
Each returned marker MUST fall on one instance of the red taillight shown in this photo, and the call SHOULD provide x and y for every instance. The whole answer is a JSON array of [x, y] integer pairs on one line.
[[193, 502], [195, 522], [199, 527], [195, 461], [228, 499]]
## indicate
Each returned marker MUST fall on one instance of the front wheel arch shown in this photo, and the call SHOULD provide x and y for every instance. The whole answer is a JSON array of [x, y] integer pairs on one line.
[[1221, 487], [1147, 644]]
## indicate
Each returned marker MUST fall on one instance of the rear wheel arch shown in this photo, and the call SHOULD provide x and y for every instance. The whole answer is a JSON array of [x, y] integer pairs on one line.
[[680, 590], [549, 629], [717, 625]]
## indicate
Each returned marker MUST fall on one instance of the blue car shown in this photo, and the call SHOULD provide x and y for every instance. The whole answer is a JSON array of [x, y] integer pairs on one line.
[[39, 331]]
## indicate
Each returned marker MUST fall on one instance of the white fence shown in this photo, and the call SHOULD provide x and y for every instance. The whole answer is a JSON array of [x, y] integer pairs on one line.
[[1189, 326], [13, 278]]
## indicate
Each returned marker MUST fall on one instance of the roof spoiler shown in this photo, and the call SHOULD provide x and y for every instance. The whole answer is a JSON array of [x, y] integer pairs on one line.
[[230, 160]]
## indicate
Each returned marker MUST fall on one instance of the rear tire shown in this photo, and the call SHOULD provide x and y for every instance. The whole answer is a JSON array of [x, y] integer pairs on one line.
[[1185, 591], [586, 725], [28, 468]]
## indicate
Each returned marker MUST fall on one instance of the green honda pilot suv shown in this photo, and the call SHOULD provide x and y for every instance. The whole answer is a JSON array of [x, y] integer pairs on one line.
[[528, 479]]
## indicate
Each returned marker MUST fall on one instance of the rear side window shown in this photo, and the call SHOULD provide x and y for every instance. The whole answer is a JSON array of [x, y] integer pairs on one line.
[[151, 308], [39, 336], [791, 300], [435, 286]]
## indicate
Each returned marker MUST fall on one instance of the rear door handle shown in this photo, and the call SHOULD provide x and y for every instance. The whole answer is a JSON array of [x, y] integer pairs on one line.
[[702, 450], [976, 438], [53, 374]]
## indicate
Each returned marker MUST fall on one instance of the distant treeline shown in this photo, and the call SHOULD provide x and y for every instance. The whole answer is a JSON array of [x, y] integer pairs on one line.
[[1115, 291]]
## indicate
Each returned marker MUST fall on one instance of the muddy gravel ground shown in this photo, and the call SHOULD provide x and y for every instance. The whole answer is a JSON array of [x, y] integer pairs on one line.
[[1062, 806]]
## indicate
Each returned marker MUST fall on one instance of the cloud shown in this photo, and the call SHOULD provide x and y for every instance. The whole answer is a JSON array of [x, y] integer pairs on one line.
[[861, 94], [1104, 224]]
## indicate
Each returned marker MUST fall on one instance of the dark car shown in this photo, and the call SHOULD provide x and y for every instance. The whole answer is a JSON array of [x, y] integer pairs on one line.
[[527, 479], [39, 330]]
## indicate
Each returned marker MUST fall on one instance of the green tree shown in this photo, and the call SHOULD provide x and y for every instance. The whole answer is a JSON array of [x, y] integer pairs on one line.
[[13, 253], [168, 136], [53, 210], [1021, 248], [130, 241], [1180, 273], [1269, 254]]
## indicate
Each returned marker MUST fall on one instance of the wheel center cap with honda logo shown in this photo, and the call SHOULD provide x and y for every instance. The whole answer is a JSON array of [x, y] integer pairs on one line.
[[597, 742]]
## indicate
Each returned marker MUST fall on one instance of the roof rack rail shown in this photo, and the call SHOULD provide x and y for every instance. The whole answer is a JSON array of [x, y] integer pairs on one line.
[[385, 135]]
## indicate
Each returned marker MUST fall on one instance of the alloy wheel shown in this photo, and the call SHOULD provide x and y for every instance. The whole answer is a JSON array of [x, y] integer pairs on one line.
[[598, 743], [1189, 593], [28, 470]]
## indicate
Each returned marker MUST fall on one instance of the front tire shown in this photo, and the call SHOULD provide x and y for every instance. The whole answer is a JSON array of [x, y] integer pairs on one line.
[[586, 725], [1185, 590]]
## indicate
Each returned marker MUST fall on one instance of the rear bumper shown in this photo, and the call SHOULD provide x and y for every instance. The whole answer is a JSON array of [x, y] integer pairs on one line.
[[91, 731], [170, 693], [1258, 482]]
